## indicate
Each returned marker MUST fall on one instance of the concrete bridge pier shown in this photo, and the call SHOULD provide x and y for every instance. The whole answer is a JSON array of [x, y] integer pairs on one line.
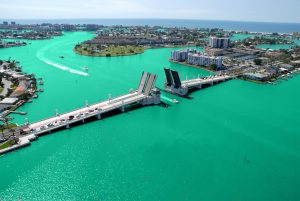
[[98, 116], [68, 125], [122, 108], [199, 86]]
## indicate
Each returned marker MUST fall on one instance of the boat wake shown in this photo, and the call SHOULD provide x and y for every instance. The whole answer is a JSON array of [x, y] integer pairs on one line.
[[59, 66], [63, 67]]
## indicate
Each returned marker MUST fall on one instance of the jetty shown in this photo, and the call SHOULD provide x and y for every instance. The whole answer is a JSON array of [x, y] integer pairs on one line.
[[174, 85], [17, 112]]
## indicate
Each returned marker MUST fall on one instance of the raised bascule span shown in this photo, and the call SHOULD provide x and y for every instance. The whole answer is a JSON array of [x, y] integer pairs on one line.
[[146, 94], [174, 85]]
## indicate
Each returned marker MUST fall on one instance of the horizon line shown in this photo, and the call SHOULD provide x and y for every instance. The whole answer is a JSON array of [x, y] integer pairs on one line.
[[223, 20]]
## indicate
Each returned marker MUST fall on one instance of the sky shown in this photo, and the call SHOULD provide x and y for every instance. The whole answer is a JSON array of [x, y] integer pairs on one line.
[[235, 10]]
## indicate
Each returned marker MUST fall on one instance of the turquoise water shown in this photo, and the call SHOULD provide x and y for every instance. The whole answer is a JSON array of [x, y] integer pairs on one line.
[[275, 47], [234, 141], [236, 37]]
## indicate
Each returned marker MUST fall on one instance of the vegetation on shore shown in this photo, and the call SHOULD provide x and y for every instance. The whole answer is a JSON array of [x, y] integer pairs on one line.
[[107, 51], [8, 143], [262, 40]]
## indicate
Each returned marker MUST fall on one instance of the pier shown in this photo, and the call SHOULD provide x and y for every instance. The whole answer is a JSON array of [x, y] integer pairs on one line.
[[175, 86]]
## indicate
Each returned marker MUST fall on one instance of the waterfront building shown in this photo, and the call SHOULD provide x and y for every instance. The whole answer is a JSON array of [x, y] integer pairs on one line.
[[69, 27], [296, 34], [181, 55], [92, 27], [296, 63], [57, 27], [256, 76], [215, 42], [5, 23], [204, 60]]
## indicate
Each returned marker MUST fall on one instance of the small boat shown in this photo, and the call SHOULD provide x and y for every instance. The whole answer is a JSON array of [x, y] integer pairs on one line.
[[35, 96], [175, 101], [41, 82], [61, 57], [86, 68], [40, 90]]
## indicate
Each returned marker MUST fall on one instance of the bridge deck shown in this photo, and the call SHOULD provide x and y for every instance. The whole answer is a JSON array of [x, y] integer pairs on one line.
[[85, 112], [206, 80]]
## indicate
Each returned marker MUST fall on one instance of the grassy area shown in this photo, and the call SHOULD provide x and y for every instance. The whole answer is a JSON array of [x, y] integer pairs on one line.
[[13, 86], [95, 50], [7, 144], [9, 126]]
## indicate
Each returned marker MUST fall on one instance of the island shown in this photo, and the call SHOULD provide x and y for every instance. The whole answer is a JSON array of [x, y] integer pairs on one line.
[[124, 45], [107, 50], [131, 40]]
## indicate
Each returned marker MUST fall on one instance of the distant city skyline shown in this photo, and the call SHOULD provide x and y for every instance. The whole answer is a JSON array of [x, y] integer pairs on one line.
[[232, 10]]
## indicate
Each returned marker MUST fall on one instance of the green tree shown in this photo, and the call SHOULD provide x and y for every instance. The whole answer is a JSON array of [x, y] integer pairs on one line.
[[2, 127], [213, 67]]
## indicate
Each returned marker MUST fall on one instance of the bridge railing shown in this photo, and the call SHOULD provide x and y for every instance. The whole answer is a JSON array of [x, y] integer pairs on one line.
[[79, 108], [85, 116]]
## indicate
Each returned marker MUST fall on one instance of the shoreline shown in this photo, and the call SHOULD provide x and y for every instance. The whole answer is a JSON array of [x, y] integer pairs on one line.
[[25, 88], [271, 81], [193, 66], [145, 48]]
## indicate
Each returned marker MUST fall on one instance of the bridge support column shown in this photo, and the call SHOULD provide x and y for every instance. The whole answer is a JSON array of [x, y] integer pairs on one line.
[[67, 125], [99, 116], [212, 83], [82, 120], [122, 107], [199, 86]]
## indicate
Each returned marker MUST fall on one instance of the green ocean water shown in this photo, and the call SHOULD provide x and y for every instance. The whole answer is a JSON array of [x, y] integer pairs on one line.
[[234, 141], [236, 37], [275, 47], [279, 46]]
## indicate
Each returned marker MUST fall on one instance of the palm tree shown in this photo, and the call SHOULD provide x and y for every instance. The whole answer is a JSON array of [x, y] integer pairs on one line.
[[4, 126], [15, 138]]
